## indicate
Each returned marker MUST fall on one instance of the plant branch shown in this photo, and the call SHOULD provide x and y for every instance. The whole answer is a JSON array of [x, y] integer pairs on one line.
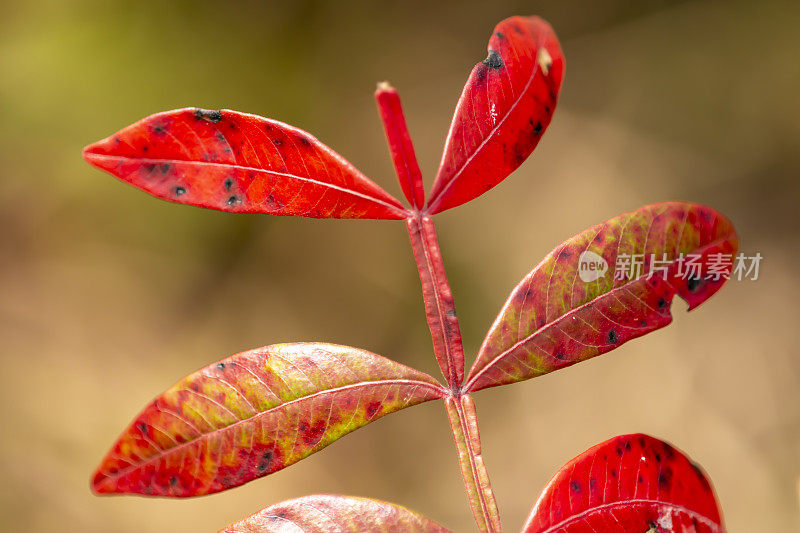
[[440, 312], [439, 307], [464, 422]]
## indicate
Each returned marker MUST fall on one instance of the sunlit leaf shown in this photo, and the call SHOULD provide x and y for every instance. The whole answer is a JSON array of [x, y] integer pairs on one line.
[[241, 163], [334, 514], [631, 483], [254, 413], [554, 318], [505, 107]]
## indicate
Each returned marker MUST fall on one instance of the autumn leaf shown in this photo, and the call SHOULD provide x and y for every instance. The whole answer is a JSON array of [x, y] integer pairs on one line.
[[554, 318], [339, 514], [255, 413], [631, 483], [505, 107], [239, 163]]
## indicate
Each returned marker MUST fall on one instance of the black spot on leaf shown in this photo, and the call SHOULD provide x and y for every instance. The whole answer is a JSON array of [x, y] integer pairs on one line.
[[208, 115], [180, 191], [493, 60], [612, 337], [693, 284], [266, 461], [665, 479]]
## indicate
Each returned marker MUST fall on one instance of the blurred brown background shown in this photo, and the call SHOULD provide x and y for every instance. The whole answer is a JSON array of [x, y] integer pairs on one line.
[[109, 296]]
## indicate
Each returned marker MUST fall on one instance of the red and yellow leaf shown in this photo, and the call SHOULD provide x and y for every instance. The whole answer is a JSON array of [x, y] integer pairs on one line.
[[335, 514], [240, 163], [628, 483], [254, 413], [505, 107], [554, 319]]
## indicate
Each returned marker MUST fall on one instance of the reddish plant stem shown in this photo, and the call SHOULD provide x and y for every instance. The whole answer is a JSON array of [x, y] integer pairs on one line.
[[443, 323], [400, 145], [439, 307], [464, 423], [440, 312]]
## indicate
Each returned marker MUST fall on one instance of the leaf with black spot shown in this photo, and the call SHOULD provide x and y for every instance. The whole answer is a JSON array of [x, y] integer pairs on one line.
[[240, 163], [555, 318], [253, 414], [631, 483], [505, 107]]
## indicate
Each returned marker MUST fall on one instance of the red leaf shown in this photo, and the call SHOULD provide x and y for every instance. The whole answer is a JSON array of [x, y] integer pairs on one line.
[[631, 483], [554, 318], [253, 414], [505, 107], [340, 514], [240, 163], [400, 146]]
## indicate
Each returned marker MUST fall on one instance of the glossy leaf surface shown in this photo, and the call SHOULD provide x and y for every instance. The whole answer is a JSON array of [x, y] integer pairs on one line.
[[254, 413], [240, 163], [631, 483], [334, 514], [554, 319], [505, 107], [400, 145]]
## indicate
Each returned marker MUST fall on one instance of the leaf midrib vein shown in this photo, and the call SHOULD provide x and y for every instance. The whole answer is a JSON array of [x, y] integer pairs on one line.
[[165, 451], [256, 169]]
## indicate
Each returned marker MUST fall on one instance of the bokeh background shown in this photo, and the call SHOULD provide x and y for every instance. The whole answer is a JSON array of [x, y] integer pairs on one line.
[[108, 296]]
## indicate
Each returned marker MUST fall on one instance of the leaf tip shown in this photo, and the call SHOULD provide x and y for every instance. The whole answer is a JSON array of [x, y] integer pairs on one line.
[[99, 484], [95, 153], [384, 87]]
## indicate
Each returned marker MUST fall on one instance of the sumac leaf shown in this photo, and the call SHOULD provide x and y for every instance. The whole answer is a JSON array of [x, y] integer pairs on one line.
[[334, 514], [254, 413], [554, 318], [505, 107], [631, 483], [241, 163]]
